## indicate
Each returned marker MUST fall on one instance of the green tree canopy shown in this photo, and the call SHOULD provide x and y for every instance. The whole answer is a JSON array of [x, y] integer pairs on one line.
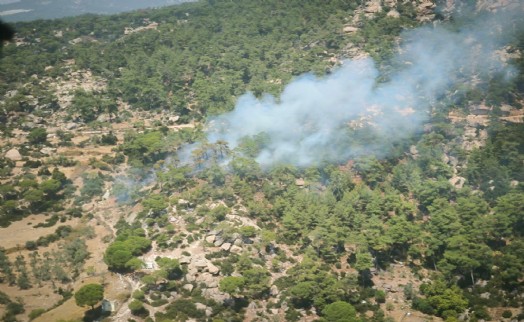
[[90, 295], [37, 136], [339, 311]]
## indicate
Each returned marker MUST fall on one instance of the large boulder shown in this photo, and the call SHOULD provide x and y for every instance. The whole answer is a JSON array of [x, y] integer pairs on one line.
[[226, 246], [348, 29], [208, 280], [13, 155], [213, 269], [393, 13], [210, 239], [188, 287], [200, 263], [373, 7], [218, 241]]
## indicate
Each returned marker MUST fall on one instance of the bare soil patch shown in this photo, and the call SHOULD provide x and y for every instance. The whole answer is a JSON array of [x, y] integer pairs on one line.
[[21, 231]]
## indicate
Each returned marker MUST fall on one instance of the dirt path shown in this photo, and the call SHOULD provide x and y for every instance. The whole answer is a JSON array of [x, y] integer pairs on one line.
[[123, 313]]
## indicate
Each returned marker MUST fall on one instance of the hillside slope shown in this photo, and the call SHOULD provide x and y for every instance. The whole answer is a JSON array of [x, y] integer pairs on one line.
[[265, 160]]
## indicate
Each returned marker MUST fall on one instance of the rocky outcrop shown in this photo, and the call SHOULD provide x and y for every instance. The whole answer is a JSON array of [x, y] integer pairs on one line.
[[425, 11], [373, 7], [457, 182], [350, 29], [495, 5], [48, 151], [393, 13]]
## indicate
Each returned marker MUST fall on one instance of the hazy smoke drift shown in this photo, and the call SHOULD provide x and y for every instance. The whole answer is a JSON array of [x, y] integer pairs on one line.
[[313, 118]]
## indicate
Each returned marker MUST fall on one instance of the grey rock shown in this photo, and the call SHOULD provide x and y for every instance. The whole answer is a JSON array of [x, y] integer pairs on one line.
[[200, 263], [219, 241], [486, 295], [48, 151], [226, 246], [213, 269], [71, 126], [235, 249], [184, 260], [188, 287], [237, 242], [190, 277], [210, 239]]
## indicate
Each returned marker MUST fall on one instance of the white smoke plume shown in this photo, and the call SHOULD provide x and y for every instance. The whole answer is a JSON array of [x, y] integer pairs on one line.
[[315, 118]]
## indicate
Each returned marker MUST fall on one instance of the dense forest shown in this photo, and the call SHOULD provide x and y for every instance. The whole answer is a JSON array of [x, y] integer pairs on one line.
[[109, 156]]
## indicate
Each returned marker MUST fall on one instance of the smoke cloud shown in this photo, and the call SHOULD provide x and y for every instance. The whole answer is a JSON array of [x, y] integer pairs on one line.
[[323, 119]]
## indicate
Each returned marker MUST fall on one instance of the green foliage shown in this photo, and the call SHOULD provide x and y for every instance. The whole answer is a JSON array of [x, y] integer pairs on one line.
[[11, 310], [256, 282], [87, 106], [313, 285], [201, 57], [339, 312], [232, 285], [464, 256], [89, 294], [144, 148], [183, 308], [37, 136], [139, 295], [507, 314], [248, 231], [120, 255], [440, 299], [380, 296], [137, 308], [36, 313], [155, 204], [169, 268], [93, 185], [108, 139]]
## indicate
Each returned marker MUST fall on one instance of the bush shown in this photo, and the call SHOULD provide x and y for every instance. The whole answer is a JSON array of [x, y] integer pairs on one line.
[[139, 295], [380, 296], [158, 303], [37, 136], [481, 313], [138, 309], [31, 245], [109, 139], [507, 314], [36, 313], [423, 306], [183, 307], [248, 231], [339, 311], [32, 164]]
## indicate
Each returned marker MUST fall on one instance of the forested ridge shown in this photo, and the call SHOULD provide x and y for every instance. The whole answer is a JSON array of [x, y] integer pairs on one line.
[[107, 161]]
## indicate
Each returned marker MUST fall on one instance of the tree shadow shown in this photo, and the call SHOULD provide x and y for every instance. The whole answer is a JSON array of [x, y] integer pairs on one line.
[[95, 314]]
